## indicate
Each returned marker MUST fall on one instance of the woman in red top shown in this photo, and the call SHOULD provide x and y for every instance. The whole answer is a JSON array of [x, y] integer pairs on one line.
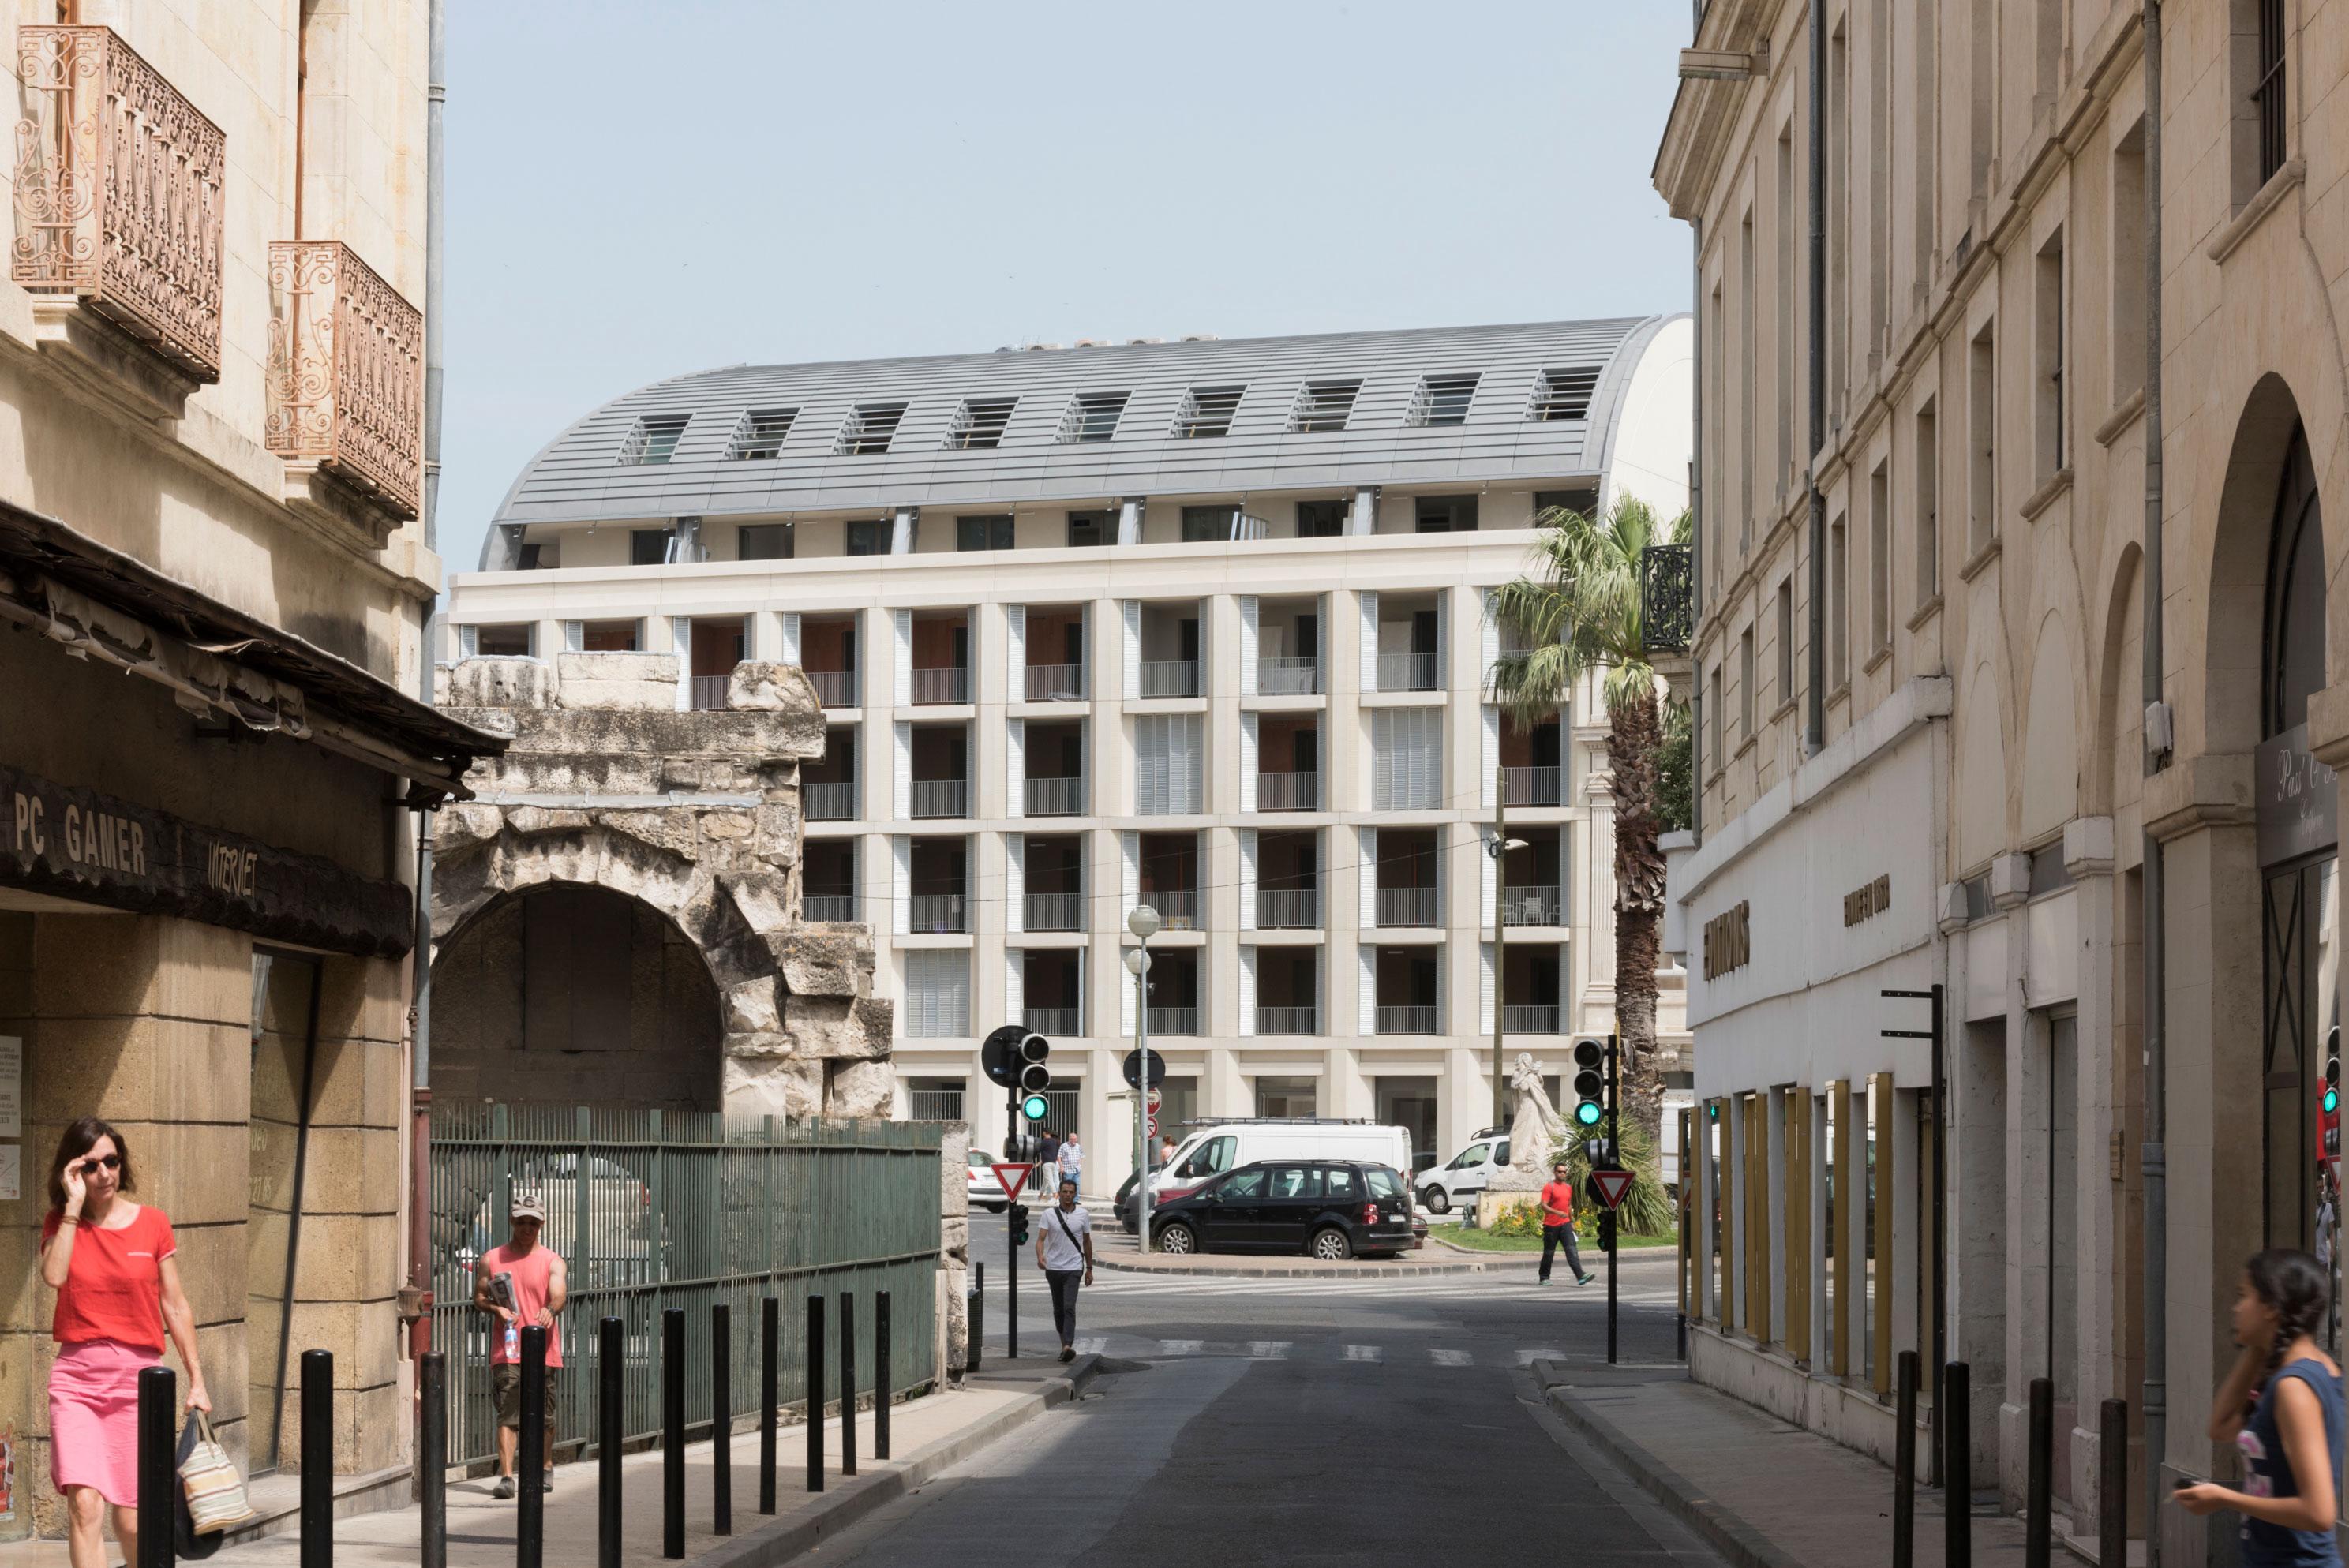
[[110, 1261]]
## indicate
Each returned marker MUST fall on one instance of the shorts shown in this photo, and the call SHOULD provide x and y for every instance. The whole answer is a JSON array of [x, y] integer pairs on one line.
[[505, 1393]]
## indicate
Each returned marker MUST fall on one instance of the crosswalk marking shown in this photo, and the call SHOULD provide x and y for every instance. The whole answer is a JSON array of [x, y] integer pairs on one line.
[[1181, 1347], [1362, 1353], [1092, 1346], [1451, 1357], [1268, 1350]]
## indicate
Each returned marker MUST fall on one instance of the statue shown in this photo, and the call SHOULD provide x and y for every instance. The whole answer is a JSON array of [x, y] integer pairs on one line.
[[1535, 1128]]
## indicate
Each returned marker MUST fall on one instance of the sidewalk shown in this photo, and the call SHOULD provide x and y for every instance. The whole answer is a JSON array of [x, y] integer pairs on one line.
[[926, 1434], [1762, 1493]]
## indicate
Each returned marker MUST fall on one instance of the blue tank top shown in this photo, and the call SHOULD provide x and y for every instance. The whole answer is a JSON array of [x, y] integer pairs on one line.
[[2267, 1472]]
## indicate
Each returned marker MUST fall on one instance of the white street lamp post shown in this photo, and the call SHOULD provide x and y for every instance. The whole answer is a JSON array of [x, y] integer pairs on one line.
[[1144, 923]]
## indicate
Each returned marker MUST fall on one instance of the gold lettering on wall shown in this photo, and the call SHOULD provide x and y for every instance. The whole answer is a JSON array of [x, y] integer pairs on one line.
[[1867, 903], [1728, 940]]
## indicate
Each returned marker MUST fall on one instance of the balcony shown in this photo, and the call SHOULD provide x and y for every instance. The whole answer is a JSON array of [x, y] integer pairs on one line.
[[119, 186], [1530, 785], [1288, 1020], [1170, 677], [1407, 672], [1667, 598], [829, 802], [1053, 911], [934, 1104], [940, 796], [1056, 683], [345, 375], [1060, 1021], [834, 689], [1407, 906], [1406, 1020], [946, 683], [1288, 792], [935, 913], [1530, 906], [1289, 677], [1288, 909], [1178, 909], [828, 907], [1055, 797], [1172, 1020], [703, 693], [1527, 1019]]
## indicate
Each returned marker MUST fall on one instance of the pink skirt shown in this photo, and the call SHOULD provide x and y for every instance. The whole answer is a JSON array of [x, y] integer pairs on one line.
[[94, 1417]]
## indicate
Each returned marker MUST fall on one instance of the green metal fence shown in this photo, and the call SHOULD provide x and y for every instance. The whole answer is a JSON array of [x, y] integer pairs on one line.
[[653, 1210]]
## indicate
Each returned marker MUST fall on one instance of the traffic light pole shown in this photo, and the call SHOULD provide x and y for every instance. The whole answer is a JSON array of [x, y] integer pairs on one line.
[[1608, 1235], [1012, 1262]]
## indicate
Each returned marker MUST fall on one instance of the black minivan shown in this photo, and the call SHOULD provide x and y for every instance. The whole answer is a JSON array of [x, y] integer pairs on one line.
[[1329, 1209]]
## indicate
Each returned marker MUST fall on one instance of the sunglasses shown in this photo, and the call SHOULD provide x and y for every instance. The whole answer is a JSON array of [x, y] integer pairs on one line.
[[111, 1161]]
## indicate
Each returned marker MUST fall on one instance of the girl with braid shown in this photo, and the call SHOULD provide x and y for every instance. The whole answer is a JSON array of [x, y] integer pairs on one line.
[[2282, 1406]]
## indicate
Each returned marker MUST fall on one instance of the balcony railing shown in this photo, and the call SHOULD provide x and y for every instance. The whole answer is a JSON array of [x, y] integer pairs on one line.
[[829, 802], [1056, 683], [1170, 677], [939, 797], [119, 182], [828, 906], [705, 692], [1287, 908], [1178, 909], [1407, 906], [1172, 1020], [1667, 598], [1288, 792], [1056, 797], [1406, 1020], [1270, 1020], [934, 1104], [1529, 1018], [347, 372], [1061, 1021], [1529, 907], [1054, 912], [834, 689], [1288, 676], [1406, 672], [933, 913], [947, 684], [1530, 785]]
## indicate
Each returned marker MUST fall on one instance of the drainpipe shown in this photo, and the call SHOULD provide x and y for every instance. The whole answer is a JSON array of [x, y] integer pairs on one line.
[[1815, 706], [2156, 756], [1696, 520]]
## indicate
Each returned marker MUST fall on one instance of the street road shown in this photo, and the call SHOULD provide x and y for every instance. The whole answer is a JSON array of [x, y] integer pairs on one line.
[[1298, 1422]]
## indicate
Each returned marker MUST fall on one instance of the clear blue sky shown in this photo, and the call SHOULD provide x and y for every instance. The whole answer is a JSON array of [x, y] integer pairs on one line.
[[639, 190]]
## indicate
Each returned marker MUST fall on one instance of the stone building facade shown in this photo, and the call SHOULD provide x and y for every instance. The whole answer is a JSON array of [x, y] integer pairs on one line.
[[1934, 750]]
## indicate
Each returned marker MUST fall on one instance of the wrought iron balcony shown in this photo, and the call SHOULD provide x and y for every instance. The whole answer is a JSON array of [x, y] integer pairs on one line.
[[119, 182], [1287, 908], [1288, 676], [1056, 683], [946, 683], [1272, 1020], [1288, 792], [935, 913], [828, 906], [345, 371], [1170, 677], [1402, 906], [829, 802], [834, 689], [934, 1104], [1531, 786], [939, 797], [1055, 797], [1523, 905], [1054, 912], [1667, 598]]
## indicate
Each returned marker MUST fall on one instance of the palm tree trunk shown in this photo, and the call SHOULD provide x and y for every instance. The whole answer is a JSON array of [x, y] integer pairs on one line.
[[1635, 734]]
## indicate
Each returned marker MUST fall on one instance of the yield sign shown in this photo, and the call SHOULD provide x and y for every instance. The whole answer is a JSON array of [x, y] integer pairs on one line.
[[1613, 1186], [1015, 1177]]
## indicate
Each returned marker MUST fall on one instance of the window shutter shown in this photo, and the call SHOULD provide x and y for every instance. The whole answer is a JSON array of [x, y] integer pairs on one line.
[[1370, 883], [1248, 991], [1128, 845], [1015, 987], [1488, 756], [902, 621], [1015, 882], [1368, 671], [1485, 987], [938, 994], [1248, 756], [1015, 761], [901, 881], [789, 652], [901, 775], [1487, 873], [1406, 759], [1366, 1019], [1248, 610], [1248, 878], [1015, 653], [1131, 609]]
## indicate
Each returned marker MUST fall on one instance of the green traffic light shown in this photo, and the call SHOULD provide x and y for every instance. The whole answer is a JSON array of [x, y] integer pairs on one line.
[[1033, 1107], [2332, 1099], [1588, 1113]]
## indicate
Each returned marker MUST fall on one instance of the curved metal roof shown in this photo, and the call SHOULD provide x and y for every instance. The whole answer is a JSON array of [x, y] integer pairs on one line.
[[585, 473]]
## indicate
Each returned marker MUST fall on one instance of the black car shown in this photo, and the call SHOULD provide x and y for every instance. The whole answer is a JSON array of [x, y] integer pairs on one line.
[[1323, 1208]]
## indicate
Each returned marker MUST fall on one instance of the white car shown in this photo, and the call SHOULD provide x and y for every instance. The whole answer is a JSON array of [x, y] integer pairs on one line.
[[1248, 1140], [986, 1189], [1469, 1172]]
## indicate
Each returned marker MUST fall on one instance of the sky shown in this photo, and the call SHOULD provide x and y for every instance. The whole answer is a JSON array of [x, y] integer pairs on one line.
[[637, 191]]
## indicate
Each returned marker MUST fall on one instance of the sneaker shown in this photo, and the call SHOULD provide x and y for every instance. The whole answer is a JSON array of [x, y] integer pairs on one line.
[[1585, 1279], [546, 1481], [1068, 1352], [1543, 1280], [505, 1489]]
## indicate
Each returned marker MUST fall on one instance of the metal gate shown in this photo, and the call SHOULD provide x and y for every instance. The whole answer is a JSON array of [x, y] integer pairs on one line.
[[654, 1210]]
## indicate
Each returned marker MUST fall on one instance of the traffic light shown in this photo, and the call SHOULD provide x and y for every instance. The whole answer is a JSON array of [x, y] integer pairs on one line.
[[1035, 1106], [1589, 1083], [1018, 1220], [2333, 1075], [1035, 1076]]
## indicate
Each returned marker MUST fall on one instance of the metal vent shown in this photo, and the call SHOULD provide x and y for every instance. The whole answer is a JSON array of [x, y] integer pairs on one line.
[[654, 439], [869, 428], [1323, 406], [1208, 411], [1441, 399], [759, 434], [1094, 416], [1565, 394], [979, 423]]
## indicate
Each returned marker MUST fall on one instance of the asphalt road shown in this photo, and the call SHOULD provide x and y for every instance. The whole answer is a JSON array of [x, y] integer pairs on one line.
[[1296, 1422]]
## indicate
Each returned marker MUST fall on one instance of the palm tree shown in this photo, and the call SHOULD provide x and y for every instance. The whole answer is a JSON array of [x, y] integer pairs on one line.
[[1583, 612]]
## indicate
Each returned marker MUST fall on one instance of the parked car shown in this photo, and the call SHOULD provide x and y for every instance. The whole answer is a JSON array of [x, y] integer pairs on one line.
[[1469, 1172], [1228, 1145], [1123, 1202], [1329, 1209], [985, 1188]]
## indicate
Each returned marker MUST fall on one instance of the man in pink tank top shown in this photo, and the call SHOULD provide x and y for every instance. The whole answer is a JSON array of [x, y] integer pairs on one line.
[[521, 1284]]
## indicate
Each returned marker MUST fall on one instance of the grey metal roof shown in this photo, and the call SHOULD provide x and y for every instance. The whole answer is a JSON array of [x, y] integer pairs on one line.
[[581, 475]]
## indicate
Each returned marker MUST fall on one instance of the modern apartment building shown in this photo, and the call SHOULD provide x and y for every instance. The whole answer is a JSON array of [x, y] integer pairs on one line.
[[1200, 625]]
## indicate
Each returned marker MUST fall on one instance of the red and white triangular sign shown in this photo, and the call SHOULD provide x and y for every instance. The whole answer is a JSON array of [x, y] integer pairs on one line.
[[1014, 1178], [1613, 1186]]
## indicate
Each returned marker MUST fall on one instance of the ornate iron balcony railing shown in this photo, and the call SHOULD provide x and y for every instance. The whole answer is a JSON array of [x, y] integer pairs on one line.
[[346, 371], [1667, 598]]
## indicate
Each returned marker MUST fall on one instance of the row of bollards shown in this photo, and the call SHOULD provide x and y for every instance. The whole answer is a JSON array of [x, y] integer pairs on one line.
[[1957, 1471]]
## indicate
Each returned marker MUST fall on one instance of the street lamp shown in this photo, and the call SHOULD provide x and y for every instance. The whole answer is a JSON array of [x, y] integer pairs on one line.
[[1144, 923], [1498, 846]]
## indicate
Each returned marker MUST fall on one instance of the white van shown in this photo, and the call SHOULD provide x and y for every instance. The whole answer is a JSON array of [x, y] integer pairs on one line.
[[1227, 1145]]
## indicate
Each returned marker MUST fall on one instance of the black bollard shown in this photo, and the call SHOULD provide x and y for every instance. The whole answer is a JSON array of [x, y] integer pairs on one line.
[[721, 1419], [1904, 1465], [432, 1460], [2112, 1482], [530, 1466], [977, 1332], [317, 1460], [816, 1391], [2039, 1495], [158, 1408], [847, 1384], [881, 1374], [611, 1432], [1680, 1332], [673, 1432], [1957, 1466], [770, 1334]]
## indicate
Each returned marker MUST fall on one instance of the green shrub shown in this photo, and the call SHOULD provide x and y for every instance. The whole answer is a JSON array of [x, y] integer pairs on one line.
[[1646, 1210]]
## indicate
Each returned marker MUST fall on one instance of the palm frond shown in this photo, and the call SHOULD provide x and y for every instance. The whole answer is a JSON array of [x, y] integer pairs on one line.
[[1579, 609]]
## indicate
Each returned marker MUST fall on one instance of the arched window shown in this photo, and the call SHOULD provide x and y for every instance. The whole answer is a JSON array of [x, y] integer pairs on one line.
[[2293, 668]]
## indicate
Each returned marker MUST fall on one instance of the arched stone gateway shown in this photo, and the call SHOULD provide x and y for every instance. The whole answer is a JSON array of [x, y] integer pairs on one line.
[[694, 815]]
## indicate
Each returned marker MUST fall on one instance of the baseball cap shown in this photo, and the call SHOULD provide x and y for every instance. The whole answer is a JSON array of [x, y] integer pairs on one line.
[[529, 1206]]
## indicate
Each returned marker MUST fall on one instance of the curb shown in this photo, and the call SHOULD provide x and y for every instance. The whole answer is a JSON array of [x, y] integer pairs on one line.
[[1727, 1533], [1491, 1260], [788, 1538], [1368, 1271]]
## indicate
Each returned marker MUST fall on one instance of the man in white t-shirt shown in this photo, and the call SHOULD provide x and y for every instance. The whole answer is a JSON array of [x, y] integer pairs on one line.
[[1064, 1249]]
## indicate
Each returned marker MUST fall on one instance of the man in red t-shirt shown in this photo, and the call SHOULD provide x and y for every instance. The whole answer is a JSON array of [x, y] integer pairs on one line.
[[521, 1284], [1558, 1224]]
